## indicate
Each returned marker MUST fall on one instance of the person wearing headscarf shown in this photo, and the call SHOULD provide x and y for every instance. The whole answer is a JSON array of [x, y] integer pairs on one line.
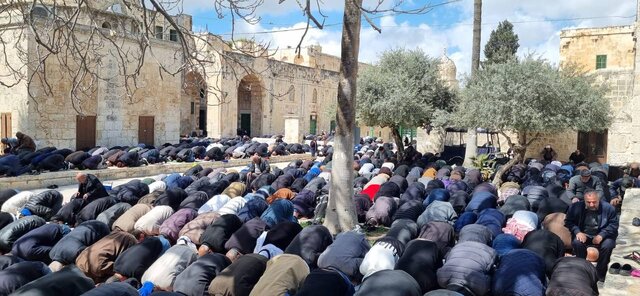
[[36, 244], [520, 272], [389, 283], [573, 276], [69, 281], [218, 233], [97, 260], [243, 241], [521, 223], [67, 249], [195, 279], [162, 273], [126, 222], [283, 276], [240, 277], [134, 261], [310, 243], [19, 274], [421, 259], [441, 233], [280, 210], [468, 266], [345, 254]]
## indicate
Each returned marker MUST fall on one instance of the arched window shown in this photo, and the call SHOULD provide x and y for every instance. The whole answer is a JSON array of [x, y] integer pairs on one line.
[[106, 25], [292, 94], [314, 99]]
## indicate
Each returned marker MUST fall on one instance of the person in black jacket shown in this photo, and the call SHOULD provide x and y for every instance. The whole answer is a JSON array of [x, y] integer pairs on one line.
[[593, 222], [89, 187]]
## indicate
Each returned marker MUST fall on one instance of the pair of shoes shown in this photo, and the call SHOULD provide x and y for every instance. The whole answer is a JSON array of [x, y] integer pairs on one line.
[[635, 256], [636, 221], [624, 270]]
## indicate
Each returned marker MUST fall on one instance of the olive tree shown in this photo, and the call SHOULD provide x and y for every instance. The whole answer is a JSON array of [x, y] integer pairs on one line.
[[403, 89], [524, 99]]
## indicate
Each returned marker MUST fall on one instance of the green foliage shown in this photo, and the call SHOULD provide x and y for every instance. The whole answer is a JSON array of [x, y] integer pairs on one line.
[[532, 96], [403, 89], [502, 45], [483, 163]]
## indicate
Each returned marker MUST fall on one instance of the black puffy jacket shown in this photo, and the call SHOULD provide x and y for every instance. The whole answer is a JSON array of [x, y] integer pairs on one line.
[[45, 204], [130, 192], [12, 232]]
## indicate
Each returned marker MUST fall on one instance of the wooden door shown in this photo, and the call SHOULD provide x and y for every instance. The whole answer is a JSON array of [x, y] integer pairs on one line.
[[593, 145], [5, 128], [313, 125], [146, 130], [85, 132]]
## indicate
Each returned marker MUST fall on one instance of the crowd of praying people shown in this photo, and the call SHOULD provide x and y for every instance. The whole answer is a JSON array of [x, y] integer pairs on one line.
[[21, 157], [224, 232]]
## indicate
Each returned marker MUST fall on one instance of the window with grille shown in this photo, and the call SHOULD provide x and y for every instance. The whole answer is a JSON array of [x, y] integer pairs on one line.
[[601, 62], [159, 32], [173, 35]]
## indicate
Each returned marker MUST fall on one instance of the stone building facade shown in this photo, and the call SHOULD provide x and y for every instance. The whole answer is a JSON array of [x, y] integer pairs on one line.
[[236, 91], [609, 53]]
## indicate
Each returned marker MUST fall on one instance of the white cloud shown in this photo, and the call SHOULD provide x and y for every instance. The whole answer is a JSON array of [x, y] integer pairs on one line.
[[535, 34]]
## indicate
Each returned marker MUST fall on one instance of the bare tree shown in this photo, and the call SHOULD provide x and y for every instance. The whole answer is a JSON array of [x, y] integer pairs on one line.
[[472, 134]]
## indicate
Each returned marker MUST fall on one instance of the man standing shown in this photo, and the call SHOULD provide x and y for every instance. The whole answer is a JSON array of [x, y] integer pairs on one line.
[[593, 223], [578, 185], [313, 146]]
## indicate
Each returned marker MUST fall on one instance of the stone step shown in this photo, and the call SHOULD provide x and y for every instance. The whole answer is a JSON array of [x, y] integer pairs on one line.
[[627, 242], [28, 182]]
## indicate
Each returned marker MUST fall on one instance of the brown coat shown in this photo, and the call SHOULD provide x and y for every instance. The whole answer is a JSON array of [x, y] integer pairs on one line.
[[127, 221], [25, 142], [96, 261], [282, 193], [194, 229], [554, 222]]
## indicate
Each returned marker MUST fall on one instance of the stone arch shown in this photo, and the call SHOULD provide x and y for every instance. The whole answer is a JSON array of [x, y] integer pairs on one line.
[[250, 96], [195, 88], [106, 25]]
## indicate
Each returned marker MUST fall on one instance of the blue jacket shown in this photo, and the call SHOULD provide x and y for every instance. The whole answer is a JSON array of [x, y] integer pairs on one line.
[[520, 272], [608, 227]]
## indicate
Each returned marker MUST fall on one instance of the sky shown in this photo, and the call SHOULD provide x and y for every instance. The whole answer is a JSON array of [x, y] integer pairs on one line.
[[448, 24]]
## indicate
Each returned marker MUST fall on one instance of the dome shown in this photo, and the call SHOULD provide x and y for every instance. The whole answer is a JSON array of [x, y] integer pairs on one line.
[[447, 69]]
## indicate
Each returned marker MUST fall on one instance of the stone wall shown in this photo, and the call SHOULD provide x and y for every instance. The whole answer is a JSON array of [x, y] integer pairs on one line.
[[580, 46], [13, 99], [563, 143]]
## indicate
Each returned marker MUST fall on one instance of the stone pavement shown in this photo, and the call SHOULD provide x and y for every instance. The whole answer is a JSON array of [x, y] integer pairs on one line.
[[628, 241], [28, 182]]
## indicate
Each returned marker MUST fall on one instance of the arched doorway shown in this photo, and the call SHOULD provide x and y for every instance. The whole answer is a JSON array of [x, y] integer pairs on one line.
[[196, 89], [250, 94]]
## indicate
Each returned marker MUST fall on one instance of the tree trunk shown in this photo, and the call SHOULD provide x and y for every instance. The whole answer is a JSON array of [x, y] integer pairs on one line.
[[395, 133], [472, 134], [519, 151], [341, 215]]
